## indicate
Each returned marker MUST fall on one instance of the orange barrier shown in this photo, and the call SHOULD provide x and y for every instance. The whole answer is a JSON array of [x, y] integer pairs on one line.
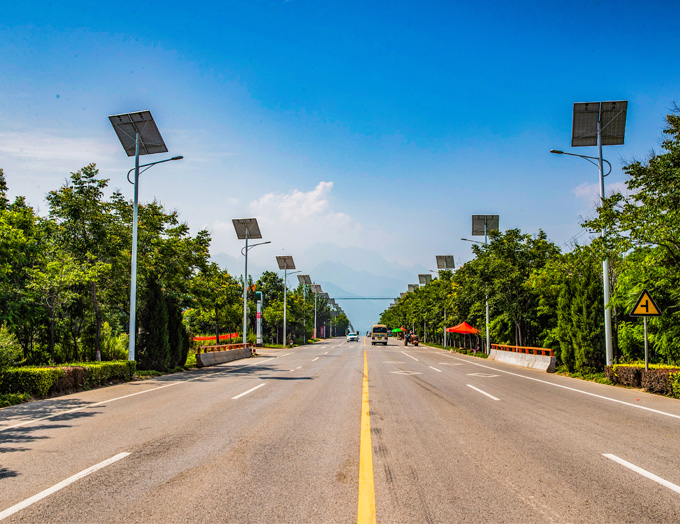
[[225, 347], [546, 352], [214, 337]]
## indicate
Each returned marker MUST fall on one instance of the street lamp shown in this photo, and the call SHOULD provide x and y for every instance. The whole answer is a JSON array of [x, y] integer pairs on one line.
[[316, 289], [600, 124], [481, 225], [444, 263], [246, 228], [285, 262], [305, 280], [139, 135]]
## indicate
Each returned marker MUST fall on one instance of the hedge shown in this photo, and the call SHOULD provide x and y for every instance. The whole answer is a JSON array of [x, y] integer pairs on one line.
[[658, 379], [43, 381]]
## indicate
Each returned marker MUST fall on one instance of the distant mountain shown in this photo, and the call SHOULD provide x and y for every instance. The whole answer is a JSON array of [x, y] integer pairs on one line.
[[235, 266], [346, 274]]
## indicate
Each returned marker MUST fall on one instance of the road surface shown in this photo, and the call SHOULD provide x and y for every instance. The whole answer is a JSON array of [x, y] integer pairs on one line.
[[278, 438]]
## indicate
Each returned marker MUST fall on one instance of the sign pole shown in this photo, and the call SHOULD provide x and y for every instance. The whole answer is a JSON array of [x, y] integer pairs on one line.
[[258, 341], [645, 307], [646, 348]]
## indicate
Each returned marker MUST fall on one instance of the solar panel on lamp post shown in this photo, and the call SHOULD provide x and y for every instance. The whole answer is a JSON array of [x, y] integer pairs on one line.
[[482, 225], [246, 229], [139, 135], [445, 262], [600, 124], [285, 262]]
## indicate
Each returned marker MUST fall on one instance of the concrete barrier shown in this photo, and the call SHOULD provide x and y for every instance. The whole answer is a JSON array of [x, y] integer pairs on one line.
[[534, 358], [211, 358]]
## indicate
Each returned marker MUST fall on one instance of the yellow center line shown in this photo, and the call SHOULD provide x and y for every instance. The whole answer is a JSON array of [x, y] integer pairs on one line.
[[366, 513]]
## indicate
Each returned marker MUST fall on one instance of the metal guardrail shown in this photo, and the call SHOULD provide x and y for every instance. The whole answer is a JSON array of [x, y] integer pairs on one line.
[[546, 352]]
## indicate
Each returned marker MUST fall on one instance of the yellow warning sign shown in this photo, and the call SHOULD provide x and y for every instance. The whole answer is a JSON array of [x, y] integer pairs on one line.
[[645, 306]]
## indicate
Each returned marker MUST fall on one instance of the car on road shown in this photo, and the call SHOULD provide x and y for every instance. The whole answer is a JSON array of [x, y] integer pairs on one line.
[[352, 337], [379, 334]]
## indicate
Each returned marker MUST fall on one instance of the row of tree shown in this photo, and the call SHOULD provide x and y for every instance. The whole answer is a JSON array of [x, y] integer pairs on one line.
[[541, 296], [65, 280]]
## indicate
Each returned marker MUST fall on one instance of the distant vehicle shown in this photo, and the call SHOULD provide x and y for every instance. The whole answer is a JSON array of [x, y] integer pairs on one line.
[[352, 337], [379, 334]]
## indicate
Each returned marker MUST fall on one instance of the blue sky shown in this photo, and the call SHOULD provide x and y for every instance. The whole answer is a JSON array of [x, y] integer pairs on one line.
[[372, 125]]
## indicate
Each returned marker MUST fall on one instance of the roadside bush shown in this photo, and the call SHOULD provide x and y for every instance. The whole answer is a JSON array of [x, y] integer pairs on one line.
[[658, 381], [42, 381], [674, 379], [99, 373], [624, 375], [113, 347], [153, 348], [12, 399], [10, 349], [659, 378], [36, 381]]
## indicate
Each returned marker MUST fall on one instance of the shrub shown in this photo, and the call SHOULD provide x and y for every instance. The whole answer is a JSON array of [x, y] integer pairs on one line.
[[10, 349], [658, 379], [113, 347], [190, 360], [674, 379], [11, 399], [36, 381], [42, 381], [153, 348]]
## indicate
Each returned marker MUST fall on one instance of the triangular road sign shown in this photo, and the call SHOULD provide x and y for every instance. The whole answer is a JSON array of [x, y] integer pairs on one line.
[[645, 307]]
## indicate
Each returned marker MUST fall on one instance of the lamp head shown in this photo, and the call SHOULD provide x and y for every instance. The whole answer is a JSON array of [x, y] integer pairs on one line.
[[177, 157], [557, 151]]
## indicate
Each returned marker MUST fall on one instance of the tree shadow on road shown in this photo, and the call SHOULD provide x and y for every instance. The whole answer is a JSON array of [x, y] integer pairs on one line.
[[7, 473]]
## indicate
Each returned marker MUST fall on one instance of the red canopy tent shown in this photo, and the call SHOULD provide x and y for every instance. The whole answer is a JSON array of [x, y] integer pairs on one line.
[[464, 328]]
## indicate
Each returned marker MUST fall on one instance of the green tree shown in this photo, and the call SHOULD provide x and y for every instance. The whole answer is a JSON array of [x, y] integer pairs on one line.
[[83, 217], [643, 223], [153, 349]]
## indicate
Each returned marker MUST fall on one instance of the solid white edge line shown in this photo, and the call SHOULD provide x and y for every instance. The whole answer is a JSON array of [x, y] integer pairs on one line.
[[249, 391], [74, 410], [570, 389], [643, 472], [436, 369], [49, 491], [482, 392], [409, 356]]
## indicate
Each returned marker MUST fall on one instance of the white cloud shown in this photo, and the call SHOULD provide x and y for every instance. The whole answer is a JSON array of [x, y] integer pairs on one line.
[[301, 218], [293, 221]]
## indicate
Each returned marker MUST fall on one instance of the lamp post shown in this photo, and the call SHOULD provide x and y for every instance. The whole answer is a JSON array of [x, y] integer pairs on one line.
[[600, 124], [246, 228], [316, 289], [285, 262], [482, 225], [305, 280], [445, 263], [139, 135], [486, 300]]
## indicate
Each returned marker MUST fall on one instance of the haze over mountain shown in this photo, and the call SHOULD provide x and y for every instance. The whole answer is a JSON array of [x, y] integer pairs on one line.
[[344, 273]]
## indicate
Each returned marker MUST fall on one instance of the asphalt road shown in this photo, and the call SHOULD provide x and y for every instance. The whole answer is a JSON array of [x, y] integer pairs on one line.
[[277, 439]]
